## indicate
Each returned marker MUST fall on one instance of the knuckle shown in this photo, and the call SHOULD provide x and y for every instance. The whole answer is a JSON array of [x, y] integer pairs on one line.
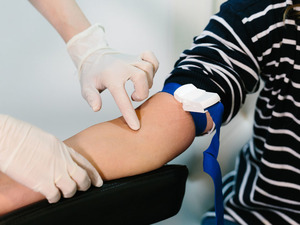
[[144, 94], [70, 190], [141, 76], [149, 68]]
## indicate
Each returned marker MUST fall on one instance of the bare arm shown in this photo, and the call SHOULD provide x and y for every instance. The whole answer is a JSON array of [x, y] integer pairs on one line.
[[117, 151], [64, 15]]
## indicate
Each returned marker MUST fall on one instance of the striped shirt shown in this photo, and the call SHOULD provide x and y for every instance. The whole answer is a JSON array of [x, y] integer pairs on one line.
[[246, 43]]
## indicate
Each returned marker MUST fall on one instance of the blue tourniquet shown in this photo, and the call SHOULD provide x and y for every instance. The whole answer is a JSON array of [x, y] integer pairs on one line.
[[210, 163]]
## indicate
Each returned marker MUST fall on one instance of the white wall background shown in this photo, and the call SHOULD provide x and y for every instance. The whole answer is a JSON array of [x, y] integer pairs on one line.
[[38, 82]]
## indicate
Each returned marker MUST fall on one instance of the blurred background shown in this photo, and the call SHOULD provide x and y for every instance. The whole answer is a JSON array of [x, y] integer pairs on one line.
[[39, 84], [38, 80]]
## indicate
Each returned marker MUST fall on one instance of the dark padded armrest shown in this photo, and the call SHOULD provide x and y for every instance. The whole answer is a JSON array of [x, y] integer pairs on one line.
[[140, 199]]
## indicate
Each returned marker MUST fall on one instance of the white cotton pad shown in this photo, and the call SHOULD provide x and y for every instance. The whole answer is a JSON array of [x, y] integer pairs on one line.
[[194, 99]]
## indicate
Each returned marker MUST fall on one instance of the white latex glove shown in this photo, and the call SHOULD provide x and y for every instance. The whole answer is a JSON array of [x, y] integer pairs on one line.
[[41, 162], [101, 67]]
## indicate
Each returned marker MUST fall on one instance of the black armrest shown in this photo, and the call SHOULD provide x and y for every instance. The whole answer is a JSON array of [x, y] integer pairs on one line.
[[141, 199]]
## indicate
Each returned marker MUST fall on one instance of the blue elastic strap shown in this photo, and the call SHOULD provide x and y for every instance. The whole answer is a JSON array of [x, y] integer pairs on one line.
[[200, 120], [210, 163], [171, 88]]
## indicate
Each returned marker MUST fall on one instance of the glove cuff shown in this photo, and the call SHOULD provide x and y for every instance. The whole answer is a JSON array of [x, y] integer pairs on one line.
[[85, 43]]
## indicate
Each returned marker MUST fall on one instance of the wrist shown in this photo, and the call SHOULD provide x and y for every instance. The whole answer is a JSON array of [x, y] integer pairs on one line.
[[86, 43]]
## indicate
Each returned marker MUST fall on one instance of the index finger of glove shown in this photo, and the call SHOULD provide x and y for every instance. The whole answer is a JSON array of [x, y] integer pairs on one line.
[[122, 100]]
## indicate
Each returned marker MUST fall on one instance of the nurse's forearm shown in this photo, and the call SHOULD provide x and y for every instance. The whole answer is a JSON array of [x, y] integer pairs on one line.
[[64, 15]]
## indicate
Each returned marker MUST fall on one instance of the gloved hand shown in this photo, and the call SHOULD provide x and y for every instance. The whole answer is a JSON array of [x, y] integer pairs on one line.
[[101, 67], [41, 162]]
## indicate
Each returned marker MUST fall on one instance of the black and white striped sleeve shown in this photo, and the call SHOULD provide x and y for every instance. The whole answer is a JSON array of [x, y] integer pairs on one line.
[[222, 60]]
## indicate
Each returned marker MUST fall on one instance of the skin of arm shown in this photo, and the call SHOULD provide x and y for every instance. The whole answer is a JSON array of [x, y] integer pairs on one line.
[[117, 151], [65, 16]]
